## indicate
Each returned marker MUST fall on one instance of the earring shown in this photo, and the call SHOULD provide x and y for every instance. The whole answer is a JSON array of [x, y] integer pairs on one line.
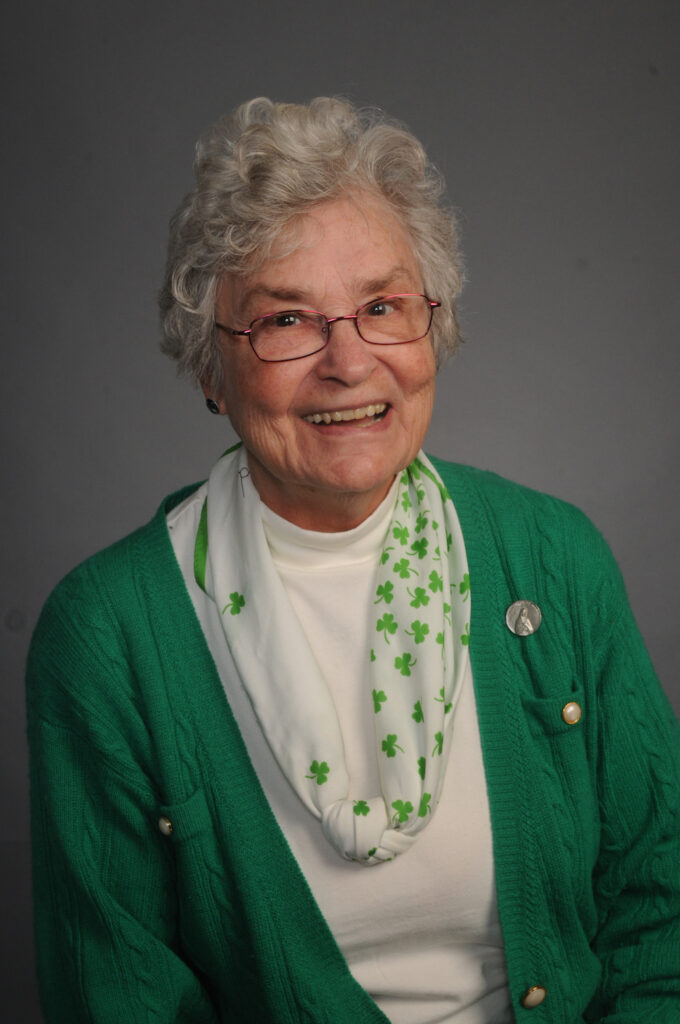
[[212, 406]]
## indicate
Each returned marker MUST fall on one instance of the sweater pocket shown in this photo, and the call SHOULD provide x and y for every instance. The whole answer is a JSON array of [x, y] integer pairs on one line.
[[561, 715], [209, 917]]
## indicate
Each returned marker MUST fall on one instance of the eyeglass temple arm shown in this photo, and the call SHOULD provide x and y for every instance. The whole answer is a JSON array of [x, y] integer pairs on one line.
[[230, 330]]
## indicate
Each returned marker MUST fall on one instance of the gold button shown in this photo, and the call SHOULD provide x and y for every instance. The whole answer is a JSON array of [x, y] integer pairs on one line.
[[165, 826], [571, 713], [533, 997]]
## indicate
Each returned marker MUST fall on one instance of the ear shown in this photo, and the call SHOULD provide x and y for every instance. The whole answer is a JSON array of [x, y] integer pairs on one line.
[[213, 394]]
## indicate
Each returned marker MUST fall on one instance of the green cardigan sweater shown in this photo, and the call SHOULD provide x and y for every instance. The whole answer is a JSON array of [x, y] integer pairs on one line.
[[128, 722]]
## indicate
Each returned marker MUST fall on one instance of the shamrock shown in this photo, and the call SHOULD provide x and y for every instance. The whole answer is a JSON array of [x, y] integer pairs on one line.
[[417, 715], [439, 745], [419, 630], [449, 541], [421, 767], [387, 625], [421, 522], [400, 533], [404, 479], [447, 704], [385, 555], [404, 663], [361, 807], [403, 810], [405, 501], [403, 567], [437, 556], [419, 547], [465, 639], [390, 745], [236, 602], [435, 525], [464, 586], [379, 697], [371, 852], [447, 612], [424, 802], [319, 772], [371, 656], [436, 582], [385, 592], [419, 596], [440, 639], [420, 495]]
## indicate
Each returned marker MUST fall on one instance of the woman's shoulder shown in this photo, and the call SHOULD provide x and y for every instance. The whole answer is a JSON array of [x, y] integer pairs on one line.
[[527, 524], [97, 604]]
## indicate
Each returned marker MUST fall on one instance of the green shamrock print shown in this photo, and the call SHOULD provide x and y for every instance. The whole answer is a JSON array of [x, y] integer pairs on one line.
[[404, 663], [422, 764], [464, 586], [439, 745], [425, 805], [440, 639], [406, 503], [385, 592], [371, 852], [379, 698], [371, 656], [403, 809], [387, 625], [235, 603], [420, 495], [403, 567], [419, 547], [436, 582], [465, 639], [361, 808], [319, 772], [403, 480], [417, 715], [400, 533], [419, 597], [449, 541], [390, 745], [447, 704], [385, 555], [421, 522], [418, 631]]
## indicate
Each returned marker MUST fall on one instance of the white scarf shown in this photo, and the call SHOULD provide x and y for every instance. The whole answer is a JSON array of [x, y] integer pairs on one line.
[[417, 663]]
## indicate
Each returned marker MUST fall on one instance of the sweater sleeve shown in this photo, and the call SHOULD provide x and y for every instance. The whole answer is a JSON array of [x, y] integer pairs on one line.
[[637, 880], [108, 948]]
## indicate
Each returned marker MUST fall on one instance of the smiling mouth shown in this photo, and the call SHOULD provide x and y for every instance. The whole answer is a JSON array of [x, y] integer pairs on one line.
[[374, 412]]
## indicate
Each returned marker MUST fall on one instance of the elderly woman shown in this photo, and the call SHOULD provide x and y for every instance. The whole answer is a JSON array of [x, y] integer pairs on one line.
[[344, 734]]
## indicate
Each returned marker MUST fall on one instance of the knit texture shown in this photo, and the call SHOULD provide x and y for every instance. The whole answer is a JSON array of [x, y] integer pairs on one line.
[[128, 721]]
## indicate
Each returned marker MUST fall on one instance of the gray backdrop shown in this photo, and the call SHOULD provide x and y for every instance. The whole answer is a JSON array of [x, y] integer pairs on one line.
[[556, 125]]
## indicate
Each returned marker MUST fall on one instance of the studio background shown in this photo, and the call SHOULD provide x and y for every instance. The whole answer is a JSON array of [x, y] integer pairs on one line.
[[556, 126]]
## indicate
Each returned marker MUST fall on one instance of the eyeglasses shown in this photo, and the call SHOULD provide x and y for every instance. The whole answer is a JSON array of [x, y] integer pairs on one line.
[[296, 333]]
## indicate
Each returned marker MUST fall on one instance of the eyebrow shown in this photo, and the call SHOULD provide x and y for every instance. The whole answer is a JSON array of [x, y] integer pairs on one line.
[[372, 287]]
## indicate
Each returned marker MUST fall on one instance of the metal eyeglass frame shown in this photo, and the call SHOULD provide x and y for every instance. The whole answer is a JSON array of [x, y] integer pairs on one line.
[[330, 320]]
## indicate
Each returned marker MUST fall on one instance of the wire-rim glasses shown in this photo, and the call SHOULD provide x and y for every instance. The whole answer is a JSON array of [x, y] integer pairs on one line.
[[295, 333]]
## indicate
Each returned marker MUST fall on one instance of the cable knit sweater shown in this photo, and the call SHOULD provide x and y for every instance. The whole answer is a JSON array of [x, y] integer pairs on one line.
[[214, 922]]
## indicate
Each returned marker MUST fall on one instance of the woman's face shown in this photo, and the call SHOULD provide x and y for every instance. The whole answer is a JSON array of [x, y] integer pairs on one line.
[[322, 476]]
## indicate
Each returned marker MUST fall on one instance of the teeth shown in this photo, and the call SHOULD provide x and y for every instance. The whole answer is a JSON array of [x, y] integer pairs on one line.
[[343, 415]]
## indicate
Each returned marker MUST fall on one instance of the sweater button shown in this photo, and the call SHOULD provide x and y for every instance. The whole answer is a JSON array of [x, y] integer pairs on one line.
[[533, 997], [523, 618], [165, 826], [571, 713]]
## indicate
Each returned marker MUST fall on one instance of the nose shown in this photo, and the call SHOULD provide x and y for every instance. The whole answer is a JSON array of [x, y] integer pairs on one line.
[[347, 357]]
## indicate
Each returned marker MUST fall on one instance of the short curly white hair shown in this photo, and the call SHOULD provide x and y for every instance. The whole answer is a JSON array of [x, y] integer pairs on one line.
[[266, 165]]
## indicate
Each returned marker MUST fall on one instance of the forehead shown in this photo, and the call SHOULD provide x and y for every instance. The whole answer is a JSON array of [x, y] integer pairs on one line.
[[353, 248]]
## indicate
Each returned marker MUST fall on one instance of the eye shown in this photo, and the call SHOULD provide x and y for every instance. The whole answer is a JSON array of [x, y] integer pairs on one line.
[[289, 318], [380, 307]]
